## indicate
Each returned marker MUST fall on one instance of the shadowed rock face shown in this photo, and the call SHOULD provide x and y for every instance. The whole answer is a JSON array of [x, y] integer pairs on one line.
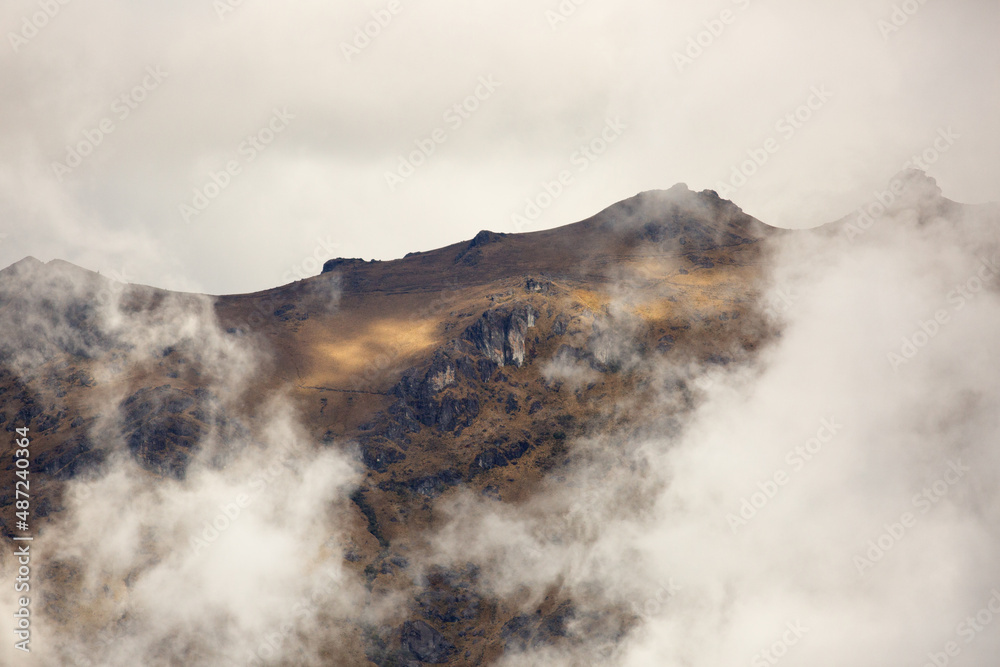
[[423, 644], [443, 394], [378, 456], [472, 255], [70, 459], [449, 596], [498, 457], [164, 426], [161, 434], [425, 399], [532, 630], [499, 334]]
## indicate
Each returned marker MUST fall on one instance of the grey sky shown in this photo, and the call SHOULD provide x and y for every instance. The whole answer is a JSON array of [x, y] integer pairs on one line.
[[545, 87]]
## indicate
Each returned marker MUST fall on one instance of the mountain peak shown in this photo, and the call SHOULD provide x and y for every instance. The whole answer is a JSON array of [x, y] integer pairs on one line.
[[31, 270], [914, 186], [28, 266], [691, 230], [913, 191], [27, 262]]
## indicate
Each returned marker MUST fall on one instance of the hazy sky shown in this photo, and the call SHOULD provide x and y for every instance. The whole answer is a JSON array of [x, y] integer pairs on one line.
[[144, 106]]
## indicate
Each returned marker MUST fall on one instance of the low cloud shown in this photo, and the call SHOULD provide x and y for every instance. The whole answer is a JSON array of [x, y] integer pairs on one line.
[[226, 551], [817, 503]]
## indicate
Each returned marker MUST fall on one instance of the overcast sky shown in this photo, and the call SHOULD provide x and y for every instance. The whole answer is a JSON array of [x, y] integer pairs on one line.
[[661, 94]]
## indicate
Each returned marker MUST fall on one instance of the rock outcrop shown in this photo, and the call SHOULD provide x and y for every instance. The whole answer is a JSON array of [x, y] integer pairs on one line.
[[424, 398], [500, 333], [421, 643], [163, 426]]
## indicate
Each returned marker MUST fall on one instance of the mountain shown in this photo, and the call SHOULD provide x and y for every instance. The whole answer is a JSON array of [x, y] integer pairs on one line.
[[671, 223], [475, 370], [911, 196]]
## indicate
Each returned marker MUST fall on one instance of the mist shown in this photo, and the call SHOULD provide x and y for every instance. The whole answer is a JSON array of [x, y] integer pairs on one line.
[[227, 552], [833, 500]]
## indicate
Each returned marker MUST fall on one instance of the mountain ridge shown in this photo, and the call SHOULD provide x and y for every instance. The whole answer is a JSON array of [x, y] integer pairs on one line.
[[575, 250], [651, 215]]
